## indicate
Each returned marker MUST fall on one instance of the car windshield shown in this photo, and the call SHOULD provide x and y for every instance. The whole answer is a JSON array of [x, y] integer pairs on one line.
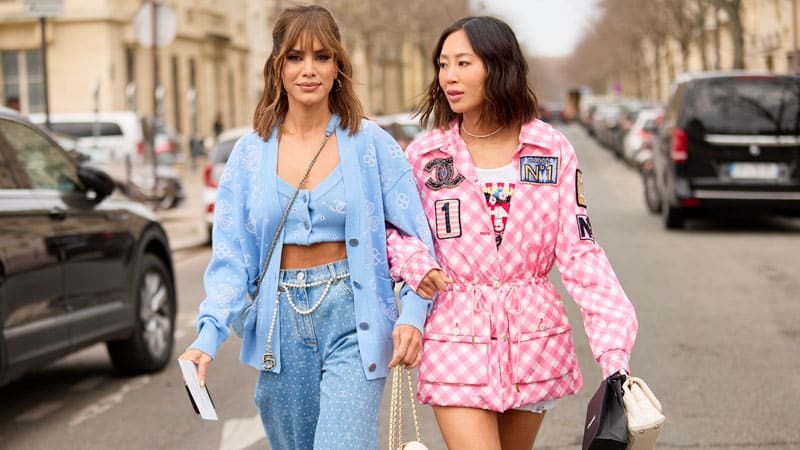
[[747, 105], [86, 129]]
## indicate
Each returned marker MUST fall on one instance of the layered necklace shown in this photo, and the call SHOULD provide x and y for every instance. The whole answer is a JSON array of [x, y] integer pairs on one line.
[[480, 136]]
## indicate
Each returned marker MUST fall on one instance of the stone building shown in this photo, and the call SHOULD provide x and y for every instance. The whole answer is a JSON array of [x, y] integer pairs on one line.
[[212, 67]]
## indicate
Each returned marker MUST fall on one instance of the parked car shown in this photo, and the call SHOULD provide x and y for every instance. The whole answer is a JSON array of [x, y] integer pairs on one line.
[[730, 142], [215, 163], [640, 133], [644, 163], [80, 264], [114, 142], [104, 136], [553, 112], [605, 123]]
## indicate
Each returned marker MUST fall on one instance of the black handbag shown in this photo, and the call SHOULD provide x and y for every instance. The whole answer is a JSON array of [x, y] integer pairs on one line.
[[606, 425]]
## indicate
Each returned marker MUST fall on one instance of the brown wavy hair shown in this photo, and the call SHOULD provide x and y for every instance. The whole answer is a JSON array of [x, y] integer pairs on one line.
[[302, 24], [509, 99]]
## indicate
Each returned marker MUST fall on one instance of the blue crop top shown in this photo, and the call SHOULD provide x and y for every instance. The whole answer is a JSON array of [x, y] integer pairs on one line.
[[317, 215]]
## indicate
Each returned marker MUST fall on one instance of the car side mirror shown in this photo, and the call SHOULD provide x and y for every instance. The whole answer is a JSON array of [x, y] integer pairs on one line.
[[78, 156], [96, 181]]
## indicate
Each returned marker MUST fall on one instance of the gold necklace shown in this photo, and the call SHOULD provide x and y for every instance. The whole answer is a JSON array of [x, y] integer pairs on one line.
[[480, 136]]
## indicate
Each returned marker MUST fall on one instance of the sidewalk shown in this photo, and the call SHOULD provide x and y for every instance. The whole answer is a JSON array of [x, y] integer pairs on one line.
[[185, 225]]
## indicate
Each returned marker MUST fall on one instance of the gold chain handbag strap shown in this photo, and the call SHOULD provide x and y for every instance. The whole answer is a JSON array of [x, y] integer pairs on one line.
[[396, 412]]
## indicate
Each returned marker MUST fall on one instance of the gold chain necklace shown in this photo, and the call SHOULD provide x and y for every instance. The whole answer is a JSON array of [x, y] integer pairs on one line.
[[480, 136]]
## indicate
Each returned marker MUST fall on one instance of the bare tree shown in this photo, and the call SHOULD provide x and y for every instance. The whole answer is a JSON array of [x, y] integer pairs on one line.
[[733, 8], [384, 26]]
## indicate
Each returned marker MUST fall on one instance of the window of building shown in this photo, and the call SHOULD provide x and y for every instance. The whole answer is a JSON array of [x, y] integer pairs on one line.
[[23, 80]]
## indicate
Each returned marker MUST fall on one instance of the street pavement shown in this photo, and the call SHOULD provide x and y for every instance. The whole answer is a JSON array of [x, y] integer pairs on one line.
[[185, 225]]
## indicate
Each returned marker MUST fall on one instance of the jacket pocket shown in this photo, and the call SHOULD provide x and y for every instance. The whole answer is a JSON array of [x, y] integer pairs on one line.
[[543, 356], [455, 360]]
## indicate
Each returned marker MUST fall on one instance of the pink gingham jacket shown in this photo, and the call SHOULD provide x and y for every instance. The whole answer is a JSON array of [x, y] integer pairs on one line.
[[499, 337]]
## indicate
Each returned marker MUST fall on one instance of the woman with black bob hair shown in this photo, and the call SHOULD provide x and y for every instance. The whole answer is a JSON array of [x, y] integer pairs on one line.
[[503, 194], [300, 227]]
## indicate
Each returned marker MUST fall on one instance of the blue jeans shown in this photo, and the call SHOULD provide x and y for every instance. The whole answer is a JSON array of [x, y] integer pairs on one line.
[[321, 399]]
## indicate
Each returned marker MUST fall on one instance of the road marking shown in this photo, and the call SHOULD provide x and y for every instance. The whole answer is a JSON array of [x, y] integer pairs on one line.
[[239, 434], [109, 401], [38, 412]]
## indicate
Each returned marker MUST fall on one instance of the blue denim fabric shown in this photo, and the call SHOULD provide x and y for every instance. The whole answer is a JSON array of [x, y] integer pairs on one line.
[[321, 399]]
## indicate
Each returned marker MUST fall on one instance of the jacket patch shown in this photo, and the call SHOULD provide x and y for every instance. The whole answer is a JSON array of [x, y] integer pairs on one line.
[[448, 218], [538, 169], [580, 198], [444, 174], [584, 228]]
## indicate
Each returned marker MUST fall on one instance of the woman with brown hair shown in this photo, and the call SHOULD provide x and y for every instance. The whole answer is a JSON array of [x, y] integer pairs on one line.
[[504, 199], [300, 227]]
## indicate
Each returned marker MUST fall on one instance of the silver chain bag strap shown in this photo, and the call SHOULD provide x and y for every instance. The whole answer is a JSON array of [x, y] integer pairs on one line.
[[238, 323]]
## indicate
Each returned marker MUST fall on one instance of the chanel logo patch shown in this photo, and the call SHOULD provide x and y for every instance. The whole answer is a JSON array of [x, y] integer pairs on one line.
[[538, 169], [444, 174]]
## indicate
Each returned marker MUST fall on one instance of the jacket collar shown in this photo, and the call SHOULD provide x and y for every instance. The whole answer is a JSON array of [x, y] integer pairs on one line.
[[534, 133]]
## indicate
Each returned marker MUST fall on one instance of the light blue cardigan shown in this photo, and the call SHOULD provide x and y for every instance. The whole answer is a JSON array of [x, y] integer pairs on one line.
[[379, 189]]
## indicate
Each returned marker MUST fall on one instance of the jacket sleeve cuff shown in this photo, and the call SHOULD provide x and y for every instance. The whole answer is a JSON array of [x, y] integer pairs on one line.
[[413, 310], [613, 361], [209, 338], [417, 266]]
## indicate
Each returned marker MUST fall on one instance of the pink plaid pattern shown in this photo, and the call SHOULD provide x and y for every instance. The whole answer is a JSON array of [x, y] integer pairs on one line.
[[500, 338], [409, 258]]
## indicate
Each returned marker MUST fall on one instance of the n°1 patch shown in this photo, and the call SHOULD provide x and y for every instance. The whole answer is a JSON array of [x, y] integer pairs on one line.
[[538, 169]]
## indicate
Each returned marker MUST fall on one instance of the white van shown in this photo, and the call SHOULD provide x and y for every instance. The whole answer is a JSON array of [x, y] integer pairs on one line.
[[110, 140], [104, 136]]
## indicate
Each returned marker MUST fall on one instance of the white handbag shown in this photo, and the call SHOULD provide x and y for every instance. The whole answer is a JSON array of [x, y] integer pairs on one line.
[[643, 411]]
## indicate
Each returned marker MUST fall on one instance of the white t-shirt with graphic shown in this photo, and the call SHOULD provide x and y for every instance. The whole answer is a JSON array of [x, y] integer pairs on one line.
[[498, 187]]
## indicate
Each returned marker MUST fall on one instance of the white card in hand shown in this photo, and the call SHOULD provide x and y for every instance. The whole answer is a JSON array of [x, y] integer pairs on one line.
[[199, 395]]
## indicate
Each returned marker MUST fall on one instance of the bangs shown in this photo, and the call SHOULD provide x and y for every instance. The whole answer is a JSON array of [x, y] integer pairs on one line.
[[301, 34]]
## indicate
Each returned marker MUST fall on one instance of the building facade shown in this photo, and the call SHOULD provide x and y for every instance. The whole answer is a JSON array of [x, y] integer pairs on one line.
[[211, 70]]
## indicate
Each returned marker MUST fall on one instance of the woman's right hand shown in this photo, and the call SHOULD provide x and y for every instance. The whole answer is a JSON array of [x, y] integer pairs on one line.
[[434, 280], [201, 360]]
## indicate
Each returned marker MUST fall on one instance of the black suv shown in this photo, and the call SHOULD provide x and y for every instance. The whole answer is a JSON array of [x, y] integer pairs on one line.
[[730, 143], [79, 264]]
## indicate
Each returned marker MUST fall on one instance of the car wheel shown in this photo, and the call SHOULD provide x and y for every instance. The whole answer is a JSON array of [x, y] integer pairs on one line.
[[150, 345], [673, 217], [652, 196]]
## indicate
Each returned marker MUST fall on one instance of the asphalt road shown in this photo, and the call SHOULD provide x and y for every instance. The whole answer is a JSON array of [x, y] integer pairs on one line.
[[718, 343]]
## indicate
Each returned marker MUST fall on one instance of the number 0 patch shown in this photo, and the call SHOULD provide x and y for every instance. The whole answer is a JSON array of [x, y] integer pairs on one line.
[[448, 218]]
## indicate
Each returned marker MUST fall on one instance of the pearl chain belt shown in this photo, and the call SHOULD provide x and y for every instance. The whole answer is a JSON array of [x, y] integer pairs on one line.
[[269, 355]]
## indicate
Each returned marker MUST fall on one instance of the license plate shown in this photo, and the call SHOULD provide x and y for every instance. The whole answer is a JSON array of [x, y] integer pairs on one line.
[[759, 171]]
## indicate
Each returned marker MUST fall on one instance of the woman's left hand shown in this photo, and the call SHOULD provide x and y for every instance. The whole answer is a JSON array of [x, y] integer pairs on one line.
[[407, 346]]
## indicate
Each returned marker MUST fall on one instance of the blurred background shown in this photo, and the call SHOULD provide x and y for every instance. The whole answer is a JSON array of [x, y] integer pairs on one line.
[[207, 63]]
